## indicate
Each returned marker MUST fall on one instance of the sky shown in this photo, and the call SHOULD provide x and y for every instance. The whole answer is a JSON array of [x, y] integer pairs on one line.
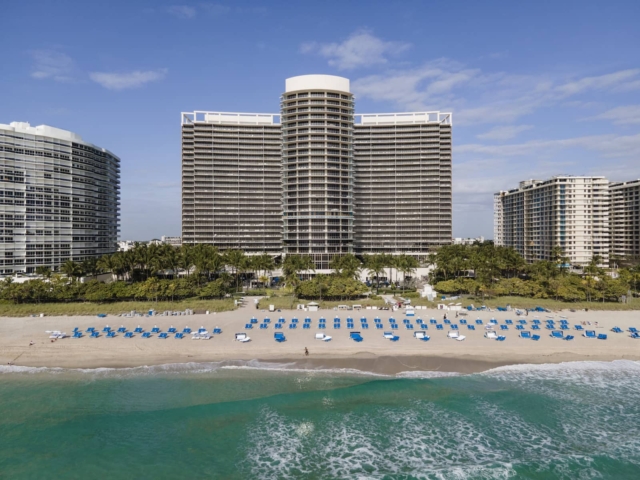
[[536, 89]]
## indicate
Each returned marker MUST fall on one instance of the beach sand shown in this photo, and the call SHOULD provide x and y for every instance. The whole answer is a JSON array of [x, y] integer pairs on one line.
[[374, 354]]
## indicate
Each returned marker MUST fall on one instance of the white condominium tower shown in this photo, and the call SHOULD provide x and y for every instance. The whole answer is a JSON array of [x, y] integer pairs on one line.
[[313, 181], [232, 181], [565, 211], [625, 219], [317, 167], [403, 182], [59, 198]]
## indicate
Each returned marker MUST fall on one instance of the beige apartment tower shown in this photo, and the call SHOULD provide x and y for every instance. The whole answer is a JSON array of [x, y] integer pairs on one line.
[[565, 211], [625, 220], [317, 179], [402, 182], [231, 181]]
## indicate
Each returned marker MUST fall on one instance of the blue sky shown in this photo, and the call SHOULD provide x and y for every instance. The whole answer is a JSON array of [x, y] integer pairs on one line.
[[536, 88]]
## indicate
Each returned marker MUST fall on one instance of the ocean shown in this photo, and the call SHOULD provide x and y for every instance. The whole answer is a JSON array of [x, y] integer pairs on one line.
[[260, 421]]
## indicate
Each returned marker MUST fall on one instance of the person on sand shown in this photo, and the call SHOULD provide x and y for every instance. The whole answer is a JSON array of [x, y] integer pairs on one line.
[[306, 352], [31, 343]]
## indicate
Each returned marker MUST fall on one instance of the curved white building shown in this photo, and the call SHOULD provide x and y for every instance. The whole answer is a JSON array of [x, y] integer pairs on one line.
[[59, 198], [317, 164]]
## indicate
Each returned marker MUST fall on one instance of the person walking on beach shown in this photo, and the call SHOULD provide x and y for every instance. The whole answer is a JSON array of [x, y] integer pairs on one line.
[[306, 352]]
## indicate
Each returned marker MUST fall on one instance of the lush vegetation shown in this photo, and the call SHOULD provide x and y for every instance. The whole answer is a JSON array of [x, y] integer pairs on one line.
[[484, 270]]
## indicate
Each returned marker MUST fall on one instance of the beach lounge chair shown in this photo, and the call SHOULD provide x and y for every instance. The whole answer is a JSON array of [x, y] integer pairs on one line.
[[102, 315], [186, 330], [447, 321], [501, 338], [277, 326], [306, 326], [569, 337], [395, 338], [92, 329], [393, 326], [439, 326], [293, 326], [478, 321], [111, 334], [408, 326], [266, 320], [631, 329], [522, 321], [264, 326], [421, 336], [279, 337], [602, 336], [454, 326], [95, 334], [336, 326], [557, 334], [508, 322], [146, 335], [564, 327], [356, 337], [578, 327], [77, 334], [490, 334], [616, 330], [453, 334], [635, 335], [163, 335], [535, 327], [179, 335], [589, 334], [249, 326], [323, 337], [463, 321], [504, 327], [350, 326], [254, 320], [471, 327], [202, 330], [217, 331], [377, 320], [433, 321], [536, 321], [294, 320], [535, 337], [307, 320], [122, 329], [242, 337], [106, 329], [519, 327], [128, 335], [526, 335], [379, 326], [155, 329], [138, 329]]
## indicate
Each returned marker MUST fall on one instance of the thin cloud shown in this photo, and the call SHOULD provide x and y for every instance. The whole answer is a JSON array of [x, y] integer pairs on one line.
[[360, 49], [479, 97], [123, 81], [625, 115], [182, 11], [53, 65], [504, 133]]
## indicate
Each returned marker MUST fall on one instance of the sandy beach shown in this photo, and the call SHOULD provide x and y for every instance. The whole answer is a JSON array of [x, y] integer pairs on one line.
[[374, 354]]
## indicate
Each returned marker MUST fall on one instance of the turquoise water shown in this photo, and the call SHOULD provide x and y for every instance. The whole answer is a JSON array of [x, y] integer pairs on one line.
[[578, 420]]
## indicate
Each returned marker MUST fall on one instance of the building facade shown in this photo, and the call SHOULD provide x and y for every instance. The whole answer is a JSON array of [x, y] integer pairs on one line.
[[315, 181], [232, 181], [317, 167], [565, 211], [60, 198], [625, 219], [402, 182]]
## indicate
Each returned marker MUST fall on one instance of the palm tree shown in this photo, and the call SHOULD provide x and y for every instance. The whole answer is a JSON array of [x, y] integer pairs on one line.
[[376, 265], [43, 271], [346, 266], [236, 260], [293, 265], [71, 269], [90, 267], [407, 265], [108, 263]]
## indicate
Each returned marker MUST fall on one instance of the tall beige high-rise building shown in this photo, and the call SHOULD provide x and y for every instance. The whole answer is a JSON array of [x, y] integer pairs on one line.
[[232, 181], [625, 219], [402, 182], [312, 180], [565, 211]]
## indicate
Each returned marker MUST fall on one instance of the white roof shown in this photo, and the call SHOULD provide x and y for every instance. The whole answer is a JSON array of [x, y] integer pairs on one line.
[[320, 82]]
